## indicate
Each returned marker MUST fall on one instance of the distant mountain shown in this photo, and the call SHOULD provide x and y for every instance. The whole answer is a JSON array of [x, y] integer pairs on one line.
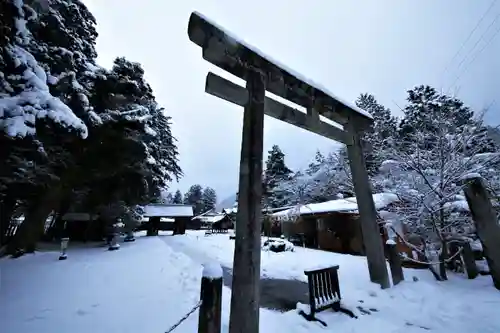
[[226, 203]]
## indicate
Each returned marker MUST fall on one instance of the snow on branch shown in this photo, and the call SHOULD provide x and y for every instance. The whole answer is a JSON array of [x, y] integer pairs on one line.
[[20, 111]]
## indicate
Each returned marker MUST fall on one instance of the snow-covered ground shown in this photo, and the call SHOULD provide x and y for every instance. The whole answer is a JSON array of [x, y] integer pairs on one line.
[[457, 305], [148, 285]]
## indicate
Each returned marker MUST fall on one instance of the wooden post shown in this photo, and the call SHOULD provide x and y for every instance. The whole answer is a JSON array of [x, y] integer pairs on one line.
[[394, 262], [244, 316], [209, 320], [485, 220], [469, 261], [368, 215]]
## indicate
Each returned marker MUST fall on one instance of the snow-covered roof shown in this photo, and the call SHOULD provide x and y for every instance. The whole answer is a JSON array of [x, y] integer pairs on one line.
[[207, 213], [230, 210], [230, 39], [381, 200], [168, 210], [210, 218]]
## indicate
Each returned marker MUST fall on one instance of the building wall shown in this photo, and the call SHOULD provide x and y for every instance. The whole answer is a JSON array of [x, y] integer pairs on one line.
[[340, 233], [194, 224], [334, 231]]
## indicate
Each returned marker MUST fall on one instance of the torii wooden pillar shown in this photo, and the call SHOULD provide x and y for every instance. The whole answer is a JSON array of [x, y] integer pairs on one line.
[[225, 51]]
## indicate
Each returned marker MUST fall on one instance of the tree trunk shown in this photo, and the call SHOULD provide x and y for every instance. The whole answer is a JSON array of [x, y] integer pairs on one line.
[[443, 256], [32, 227], [63, 209], [7, 207]]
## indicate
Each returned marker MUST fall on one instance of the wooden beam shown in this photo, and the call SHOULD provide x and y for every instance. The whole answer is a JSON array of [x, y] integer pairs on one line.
[[313, 114], [231, 92], [237, 58], [244, 315]]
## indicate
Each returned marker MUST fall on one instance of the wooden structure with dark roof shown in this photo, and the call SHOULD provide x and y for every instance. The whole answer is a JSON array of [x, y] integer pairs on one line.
[[225, 51], [179, 214]]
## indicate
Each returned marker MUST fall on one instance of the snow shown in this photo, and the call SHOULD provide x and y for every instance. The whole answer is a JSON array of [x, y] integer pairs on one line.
[[210, 218], [476, 245], [471, 175], [381, 200], [148, 285], [233, 39], [457, 206], [230, 210], [458, 305], [168, 210], [270, 243], [390, 242], [20, 22], [18, 113], [143, 287], [318, 267], [212, 270]]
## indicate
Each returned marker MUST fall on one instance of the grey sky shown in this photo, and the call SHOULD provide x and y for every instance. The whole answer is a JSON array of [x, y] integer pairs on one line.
[[383, 47]]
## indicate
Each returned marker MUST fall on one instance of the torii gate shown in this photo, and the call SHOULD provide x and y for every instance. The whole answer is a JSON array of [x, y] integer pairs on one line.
[[261, 73]]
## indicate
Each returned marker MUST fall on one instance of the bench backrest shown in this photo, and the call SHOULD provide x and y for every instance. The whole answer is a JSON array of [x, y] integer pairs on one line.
[[324, 290]]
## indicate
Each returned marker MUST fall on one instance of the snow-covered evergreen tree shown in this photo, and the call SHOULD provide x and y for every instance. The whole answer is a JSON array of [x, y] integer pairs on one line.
[[177, 197], [380, 135], [325, 179], [433, 153], [209, 198], [70, 129], [194, 197], [166, 196], [275, 173]]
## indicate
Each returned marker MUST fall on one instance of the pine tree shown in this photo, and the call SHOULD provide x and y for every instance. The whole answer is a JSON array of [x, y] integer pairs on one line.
[[194, 197], [276, 172], [381, 134], [166, 197], [314, 166], [424, 107], [44, 53], [209, 199], [83, 134], [441, 141], [177, 197]]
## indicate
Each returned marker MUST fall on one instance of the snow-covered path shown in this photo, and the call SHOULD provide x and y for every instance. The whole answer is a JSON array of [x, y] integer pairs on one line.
[[147, 286], [275, 294], [416, 305], [143, 287]]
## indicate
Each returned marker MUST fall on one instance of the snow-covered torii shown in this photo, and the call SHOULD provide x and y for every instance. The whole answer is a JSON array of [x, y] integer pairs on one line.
[[261, 73]]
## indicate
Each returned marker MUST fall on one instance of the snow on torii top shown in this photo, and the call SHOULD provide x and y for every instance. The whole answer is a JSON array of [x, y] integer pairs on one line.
[[197, 34]]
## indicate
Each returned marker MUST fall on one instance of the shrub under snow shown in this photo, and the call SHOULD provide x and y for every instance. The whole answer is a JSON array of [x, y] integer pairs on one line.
[[278, 245]]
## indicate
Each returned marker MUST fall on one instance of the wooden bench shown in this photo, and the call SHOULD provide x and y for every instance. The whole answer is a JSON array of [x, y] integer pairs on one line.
[[324, 292]]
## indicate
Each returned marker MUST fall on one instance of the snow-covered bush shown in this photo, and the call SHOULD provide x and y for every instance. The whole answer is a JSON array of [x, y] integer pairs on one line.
[[278, 245], [439, 142]]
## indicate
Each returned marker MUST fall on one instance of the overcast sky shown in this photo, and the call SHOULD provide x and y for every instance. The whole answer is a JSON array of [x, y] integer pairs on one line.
[[383, 47]]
